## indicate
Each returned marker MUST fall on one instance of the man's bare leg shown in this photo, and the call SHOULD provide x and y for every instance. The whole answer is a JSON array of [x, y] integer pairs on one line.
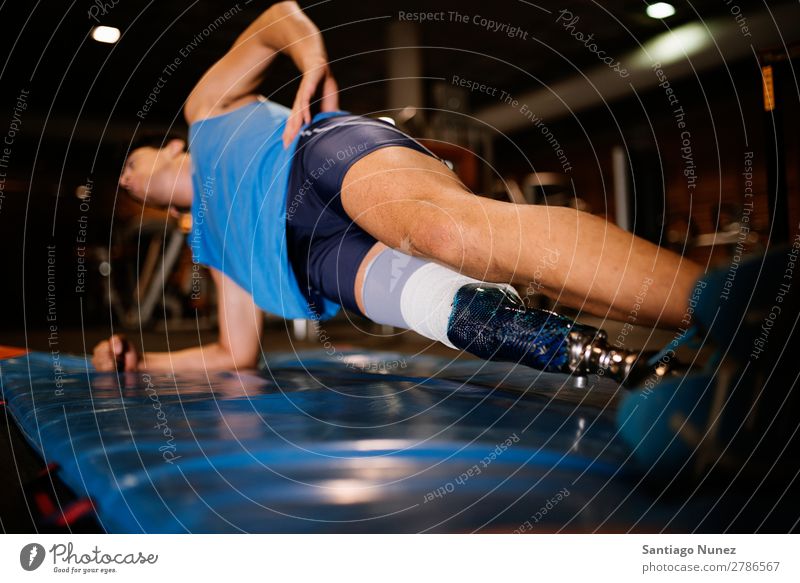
[[488, 320], [412, 202]]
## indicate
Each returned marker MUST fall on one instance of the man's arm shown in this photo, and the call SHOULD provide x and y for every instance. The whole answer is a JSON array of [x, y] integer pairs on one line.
[[236, 76], [238, 345]]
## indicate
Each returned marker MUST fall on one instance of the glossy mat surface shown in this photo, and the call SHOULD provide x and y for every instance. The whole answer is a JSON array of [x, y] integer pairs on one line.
[[356, 442]]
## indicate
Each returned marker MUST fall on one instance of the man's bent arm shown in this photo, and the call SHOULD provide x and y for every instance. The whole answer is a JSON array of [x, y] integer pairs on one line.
[[208, 357], [239, 344], [291, 32], [281, 28]]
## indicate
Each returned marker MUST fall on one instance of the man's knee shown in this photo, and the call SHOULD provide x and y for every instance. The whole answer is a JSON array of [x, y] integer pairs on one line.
[[458, 242], [435, 238]]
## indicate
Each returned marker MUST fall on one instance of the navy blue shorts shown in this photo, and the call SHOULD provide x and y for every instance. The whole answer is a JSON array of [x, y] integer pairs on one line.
[[326, 247]]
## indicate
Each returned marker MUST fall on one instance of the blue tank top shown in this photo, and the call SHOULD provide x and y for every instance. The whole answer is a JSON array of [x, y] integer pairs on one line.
[[240, 172]]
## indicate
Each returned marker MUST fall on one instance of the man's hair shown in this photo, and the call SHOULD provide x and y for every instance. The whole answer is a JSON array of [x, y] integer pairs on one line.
[[145, 139], [153, 139]]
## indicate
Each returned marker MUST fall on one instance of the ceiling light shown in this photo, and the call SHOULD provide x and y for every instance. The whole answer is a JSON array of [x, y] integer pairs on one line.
[[677, 44], [660, 10], [105, 34]]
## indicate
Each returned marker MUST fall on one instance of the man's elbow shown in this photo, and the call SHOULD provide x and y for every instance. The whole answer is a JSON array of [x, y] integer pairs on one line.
[[245, 363], [243, 359], [276, 12], [286, 4]]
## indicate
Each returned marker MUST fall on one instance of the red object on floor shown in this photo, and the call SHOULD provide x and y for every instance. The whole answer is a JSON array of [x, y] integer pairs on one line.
[[74, 512], [44, 503], [51, 468], [11, 351]]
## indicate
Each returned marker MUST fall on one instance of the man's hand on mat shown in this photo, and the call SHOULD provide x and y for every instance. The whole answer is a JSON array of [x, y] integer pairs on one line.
[[116, 353], [301, 110]]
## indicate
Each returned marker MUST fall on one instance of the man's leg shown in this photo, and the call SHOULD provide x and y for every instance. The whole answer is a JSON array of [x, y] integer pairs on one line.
[[488, 320], [412, 202]]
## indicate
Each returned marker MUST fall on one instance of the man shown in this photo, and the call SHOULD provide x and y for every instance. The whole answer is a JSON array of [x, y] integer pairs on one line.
[[294, 224]]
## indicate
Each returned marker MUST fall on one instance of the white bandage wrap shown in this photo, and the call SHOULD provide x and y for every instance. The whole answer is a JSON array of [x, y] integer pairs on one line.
[[427, 299]]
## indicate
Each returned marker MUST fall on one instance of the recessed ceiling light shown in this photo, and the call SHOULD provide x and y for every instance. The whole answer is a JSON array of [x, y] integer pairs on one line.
[[660, 10], [678, 43], [105, 34]]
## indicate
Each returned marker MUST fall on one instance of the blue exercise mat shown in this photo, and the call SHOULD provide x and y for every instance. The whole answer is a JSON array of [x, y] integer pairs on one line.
[[354, 442]]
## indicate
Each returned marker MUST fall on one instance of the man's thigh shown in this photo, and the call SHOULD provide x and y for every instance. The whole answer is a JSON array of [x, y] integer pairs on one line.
[[395, 192], [413, 202]]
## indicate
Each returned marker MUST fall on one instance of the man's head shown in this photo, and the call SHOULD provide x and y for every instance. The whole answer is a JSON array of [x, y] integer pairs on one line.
[[153, 170]]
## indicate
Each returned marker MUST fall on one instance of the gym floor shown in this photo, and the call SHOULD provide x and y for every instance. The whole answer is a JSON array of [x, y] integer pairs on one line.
[[21, 465]]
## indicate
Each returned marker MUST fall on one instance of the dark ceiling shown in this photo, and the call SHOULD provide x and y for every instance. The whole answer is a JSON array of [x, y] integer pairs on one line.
[[84, 88]]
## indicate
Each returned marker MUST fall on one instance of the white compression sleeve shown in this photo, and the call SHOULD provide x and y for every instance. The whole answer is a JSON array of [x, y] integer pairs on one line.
[[427, 300], [424, 297]]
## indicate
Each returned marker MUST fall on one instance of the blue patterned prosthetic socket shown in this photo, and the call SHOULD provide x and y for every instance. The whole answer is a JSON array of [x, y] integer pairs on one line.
[[493, 324]]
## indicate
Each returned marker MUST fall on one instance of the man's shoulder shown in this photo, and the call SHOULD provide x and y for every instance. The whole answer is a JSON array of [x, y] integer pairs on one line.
[[201, 112]]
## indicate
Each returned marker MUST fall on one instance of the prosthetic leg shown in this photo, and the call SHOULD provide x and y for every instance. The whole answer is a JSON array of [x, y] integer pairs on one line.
[[494, 324], [490, 321]]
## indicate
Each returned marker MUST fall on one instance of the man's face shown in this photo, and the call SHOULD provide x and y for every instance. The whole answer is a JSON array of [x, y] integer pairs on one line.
[[149, 174]]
